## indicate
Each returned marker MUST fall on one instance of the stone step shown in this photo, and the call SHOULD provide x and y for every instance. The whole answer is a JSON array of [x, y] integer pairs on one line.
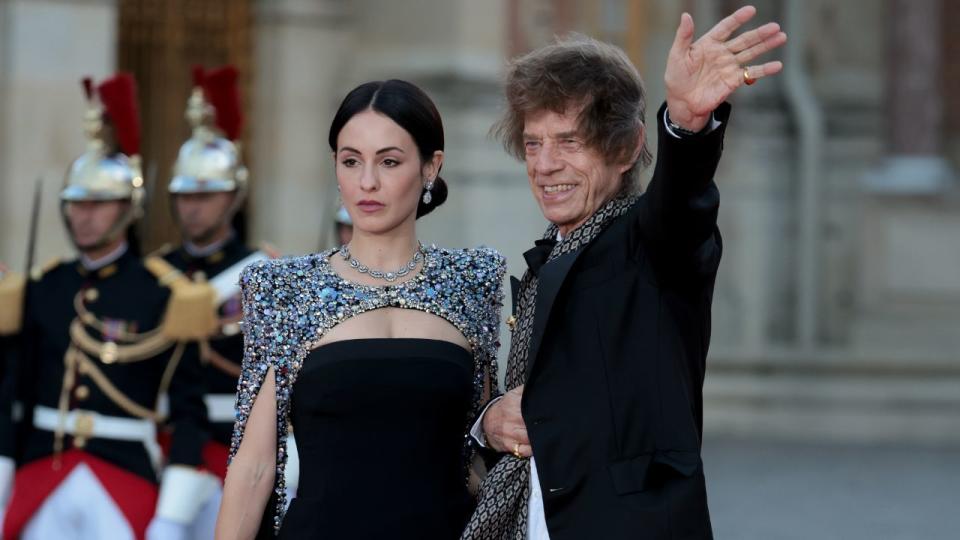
[[848, 400]]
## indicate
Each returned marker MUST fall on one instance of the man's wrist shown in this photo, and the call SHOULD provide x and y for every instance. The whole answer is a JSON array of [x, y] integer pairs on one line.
[[681, 132], [478, 431], [677, 129], [683, 125], [684, 122]]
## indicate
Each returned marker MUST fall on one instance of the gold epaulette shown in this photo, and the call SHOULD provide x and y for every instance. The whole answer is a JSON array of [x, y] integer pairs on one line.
[[270, 250], [191, 311], [12, 288], [165, 272], [37, 272], [162, 251]]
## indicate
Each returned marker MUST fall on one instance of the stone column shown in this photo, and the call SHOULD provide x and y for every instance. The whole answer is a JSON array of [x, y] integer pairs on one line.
[[915, 162], [300, 50], [46, 47], [456, 51]]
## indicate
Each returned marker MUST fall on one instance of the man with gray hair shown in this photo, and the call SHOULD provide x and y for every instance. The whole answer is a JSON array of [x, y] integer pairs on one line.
[[599, 434]]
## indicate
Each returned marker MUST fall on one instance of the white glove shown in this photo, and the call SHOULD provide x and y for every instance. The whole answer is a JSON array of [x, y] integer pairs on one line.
[[166, 529], [7, 470], [183, 492]]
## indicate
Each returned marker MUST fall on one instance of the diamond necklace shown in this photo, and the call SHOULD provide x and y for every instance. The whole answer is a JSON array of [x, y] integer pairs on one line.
[[379, 274]]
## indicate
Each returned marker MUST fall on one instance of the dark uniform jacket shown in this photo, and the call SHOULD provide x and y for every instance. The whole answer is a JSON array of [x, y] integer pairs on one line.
[[121, 304], [221, 365]]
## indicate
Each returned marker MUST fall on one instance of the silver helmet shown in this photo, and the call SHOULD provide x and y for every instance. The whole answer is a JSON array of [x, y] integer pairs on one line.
[[109, 168], [210, 160]]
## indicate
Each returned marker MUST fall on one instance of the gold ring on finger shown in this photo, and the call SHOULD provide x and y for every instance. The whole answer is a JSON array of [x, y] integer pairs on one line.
[[747, 79], [516, 450]]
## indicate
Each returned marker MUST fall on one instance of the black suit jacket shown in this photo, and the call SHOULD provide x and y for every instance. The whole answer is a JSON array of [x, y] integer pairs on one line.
[[613, 400]]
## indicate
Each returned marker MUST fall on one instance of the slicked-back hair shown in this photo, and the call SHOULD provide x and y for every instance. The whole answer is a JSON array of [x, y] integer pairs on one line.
[[580, 72], [412, 109]]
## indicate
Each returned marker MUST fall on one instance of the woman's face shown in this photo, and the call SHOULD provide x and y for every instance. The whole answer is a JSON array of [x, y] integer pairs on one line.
[[380, 173]]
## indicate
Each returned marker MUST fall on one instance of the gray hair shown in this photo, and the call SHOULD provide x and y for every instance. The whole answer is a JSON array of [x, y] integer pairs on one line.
[[579, 71]]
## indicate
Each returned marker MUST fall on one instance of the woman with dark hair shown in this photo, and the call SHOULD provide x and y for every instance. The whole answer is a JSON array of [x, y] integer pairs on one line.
[[378, 353]]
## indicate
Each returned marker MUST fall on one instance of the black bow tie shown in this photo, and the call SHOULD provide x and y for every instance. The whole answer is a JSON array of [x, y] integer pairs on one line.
[[537, 256]]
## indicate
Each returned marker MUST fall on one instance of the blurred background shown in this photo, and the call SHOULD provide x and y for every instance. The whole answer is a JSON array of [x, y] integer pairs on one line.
[[833, 391]]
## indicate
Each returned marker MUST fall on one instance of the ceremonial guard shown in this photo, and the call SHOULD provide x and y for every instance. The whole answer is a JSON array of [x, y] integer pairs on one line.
[[103, 342], [208, 188], [12, 287]]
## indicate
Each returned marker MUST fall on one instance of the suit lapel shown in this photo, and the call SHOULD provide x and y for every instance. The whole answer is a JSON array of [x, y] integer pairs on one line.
[[550, 280]]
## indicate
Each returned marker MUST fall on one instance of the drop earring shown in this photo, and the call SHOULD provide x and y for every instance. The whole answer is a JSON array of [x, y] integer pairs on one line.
[[427, 196]]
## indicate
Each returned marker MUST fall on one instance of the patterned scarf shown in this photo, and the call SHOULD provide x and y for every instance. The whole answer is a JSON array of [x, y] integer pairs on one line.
[[501, 512]]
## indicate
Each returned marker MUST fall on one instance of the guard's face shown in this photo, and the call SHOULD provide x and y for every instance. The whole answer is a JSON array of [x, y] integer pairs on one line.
[[569, 179], [200, 214], [90, 221], [380, 173]]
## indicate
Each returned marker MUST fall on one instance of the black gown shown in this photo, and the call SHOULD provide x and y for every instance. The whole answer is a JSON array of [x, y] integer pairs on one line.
[[379, 426]]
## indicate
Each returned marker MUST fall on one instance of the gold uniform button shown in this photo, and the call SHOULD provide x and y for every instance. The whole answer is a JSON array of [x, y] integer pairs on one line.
[[215, 258], [82, 392], [83, 429], [91, 295], [107, 271], [108, 354]]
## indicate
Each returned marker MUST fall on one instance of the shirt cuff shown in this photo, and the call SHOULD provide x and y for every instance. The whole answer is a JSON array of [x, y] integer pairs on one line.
[[711, 125], [477, 430]]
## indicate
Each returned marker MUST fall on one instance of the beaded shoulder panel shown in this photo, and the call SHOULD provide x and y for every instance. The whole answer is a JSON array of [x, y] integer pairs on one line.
[[290, 303]]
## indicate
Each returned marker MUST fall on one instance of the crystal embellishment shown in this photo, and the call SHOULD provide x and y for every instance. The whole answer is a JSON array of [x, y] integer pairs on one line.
[[290, 304]]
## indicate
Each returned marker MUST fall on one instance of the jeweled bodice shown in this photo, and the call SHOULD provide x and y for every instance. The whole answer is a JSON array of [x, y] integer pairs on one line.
[[290, 304]]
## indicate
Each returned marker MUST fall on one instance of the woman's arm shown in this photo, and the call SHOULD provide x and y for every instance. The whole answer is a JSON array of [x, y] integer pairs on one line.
[[250, 477]]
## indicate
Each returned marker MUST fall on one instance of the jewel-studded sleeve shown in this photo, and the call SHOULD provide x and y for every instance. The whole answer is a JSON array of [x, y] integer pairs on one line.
[[256, 291], [488, 306], [273, 334]]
